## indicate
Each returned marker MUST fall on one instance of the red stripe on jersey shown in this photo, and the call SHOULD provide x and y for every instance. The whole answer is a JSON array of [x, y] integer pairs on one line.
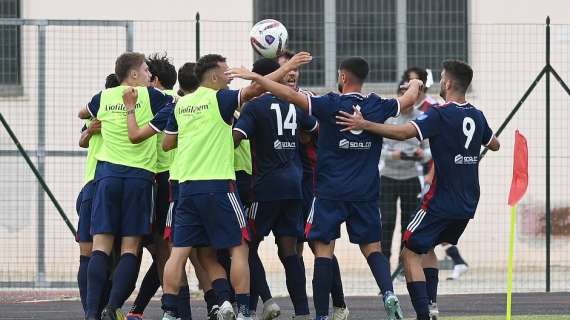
[[431, 192], [407, 235], [168, 234], [245, 234], [307, 229]]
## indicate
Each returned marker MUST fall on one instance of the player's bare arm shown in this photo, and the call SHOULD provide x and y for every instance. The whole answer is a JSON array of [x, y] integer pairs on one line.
[[494, 145], [357, 122], [255, 89], [84, 113], [408, 99], [94, 128], [136, 134], [170, 141], [281, 91], [238, 136]]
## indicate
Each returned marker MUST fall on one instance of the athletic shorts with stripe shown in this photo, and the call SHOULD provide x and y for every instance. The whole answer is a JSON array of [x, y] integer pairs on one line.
[[283, 217], [170, 217], [210, 219], [362, 221], [161, 203], [122, 206], [426, 231], [83, 206]]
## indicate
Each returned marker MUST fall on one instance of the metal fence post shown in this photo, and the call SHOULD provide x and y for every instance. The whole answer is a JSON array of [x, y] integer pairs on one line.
[[330, 44], [547, 94], [130, 36], [40, 155], [197, 36]]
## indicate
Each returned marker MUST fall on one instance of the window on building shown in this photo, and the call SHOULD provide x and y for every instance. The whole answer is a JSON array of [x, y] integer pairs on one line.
[[436, 30], [10, 59], [304, 21]]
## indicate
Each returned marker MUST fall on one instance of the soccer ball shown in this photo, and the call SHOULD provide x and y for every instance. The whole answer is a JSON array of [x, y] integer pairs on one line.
[[268, 38]]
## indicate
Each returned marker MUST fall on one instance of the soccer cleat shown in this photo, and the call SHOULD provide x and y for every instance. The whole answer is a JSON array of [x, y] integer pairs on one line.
[[134, 316], [270, 310], [392, 306], [433, 311], [112, 314], [458, 270], [226, 312], [242, 317], [340, 313], [213, 314], [168, 315]]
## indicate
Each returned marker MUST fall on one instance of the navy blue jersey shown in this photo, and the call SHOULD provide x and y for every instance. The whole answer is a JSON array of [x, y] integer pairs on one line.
[[456, 133], [347, 162], [273, 126]]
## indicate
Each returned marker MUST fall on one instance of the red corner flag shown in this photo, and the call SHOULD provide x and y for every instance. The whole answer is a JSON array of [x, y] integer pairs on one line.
[[520, 170]]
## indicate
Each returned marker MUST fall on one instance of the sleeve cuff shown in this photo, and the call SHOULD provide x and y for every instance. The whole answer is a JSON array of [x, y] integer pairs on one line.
[[239, 99], [397, 111], [171, 132], [242, 132], [420, 135], [489, 142], [310, 104], [315, 127], [154, 127], [90, 112]]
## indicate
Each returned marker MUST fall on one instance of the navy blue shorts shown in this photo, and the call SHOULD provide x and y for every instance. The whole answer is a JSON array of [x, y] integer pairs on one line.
[[170, 218], [122, 206], [161, 203], [362, 221], [426, 231], [210, 219], [243, 184], [283, 217], [83, 206]]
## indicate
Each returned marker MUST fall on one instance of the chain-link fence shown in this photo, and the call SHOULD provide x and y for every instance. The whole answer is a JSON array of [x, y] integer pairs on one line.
[[52, 68]]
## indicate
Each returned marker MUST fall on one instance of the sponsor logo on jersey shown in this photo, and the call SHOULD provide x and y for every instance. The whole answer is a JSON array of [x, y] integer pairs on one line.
[[119, 107], [280, 145], [193, 109], [460, 159], [354, 145]]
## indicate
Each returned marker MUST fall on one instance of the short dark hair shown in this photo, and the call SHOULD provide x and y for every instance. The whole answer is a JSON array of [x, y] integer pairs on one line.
[[460, 72], [357, 66], [265, 66], [187, 79], [111, 81], [422, 74], [126, 62], [161, 68], [287, 54], [400, 84], [207, 63]]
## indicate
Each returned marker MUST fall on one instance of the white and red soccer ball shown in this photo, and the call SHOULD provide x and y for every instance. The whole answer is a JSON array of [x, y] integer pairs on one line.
[[268, 38]]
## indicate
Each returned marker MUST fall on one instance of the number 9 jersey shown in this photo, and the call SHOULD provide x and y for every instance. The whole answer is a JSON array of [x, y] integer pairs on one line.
[[456, 133]]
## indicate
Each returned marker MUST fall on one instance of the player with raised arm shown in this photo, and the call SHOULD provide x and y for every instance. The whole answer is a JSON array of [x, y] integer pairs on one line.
[[272, 126], [122, 204], [456, 132], [209, 214], [347, 176]]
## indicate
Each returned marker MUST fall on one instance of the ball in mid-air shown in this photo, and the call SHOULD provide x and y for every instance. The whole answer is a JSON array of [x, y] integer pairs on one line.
[[268, 38]]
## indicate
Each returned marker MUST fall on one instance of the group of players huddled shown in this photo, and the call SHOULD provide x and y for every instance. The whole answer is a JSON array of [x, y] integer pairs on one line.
[[207, 172]]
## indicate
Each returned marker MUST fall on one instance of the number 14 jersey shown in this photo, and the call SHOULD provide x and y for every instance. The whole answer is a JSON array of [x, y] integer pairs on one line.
[[456, 133]]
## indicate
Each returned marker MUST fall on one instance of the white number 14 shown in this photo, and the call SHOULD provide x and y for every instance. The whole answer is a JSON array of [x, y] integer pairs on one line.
[[290, 119]]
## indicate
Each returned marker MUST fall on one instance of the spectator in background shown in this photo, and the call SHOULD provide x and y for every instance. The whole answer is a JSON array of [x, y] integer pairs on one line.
[[400, 176]]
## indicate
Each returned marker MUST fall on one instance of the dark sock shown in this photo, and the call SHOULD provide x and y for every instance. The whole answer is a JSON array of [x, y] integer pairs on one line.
[[337, 293], [260, 284], [82, 280], [170, 303], [296, 284], [453, 253], [105, 296], [148, 288], [184, 311], [242, 301], [225, 260], [124, 278], [253, 295], [381, 270], [211, 299], [222, 288], [419, 297], [432, 279], [322, 282], [96, 280]]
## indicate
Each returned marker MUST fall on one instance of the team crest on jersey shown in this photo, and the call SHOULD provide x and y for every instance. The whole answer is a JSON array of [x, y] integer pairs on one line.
[[280, 145]]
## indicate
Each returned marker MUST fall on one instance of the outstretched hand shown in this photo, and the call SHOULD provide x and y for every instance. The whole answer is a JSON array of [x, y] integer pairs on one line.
[[353, 121], [242, 73], [299, 59]]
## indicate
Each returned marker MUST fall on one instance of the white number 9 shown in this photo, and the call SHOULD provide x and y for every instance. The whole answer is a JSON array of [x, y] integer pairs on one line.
[[468, 130]]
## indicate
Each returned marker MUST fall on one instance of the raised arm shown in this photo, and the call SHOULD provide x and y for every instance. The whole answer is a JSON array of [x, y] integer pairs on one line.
[[408, 99], [255, 89], [357, 122], [136, 134], [93, 128], [281, 91]]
